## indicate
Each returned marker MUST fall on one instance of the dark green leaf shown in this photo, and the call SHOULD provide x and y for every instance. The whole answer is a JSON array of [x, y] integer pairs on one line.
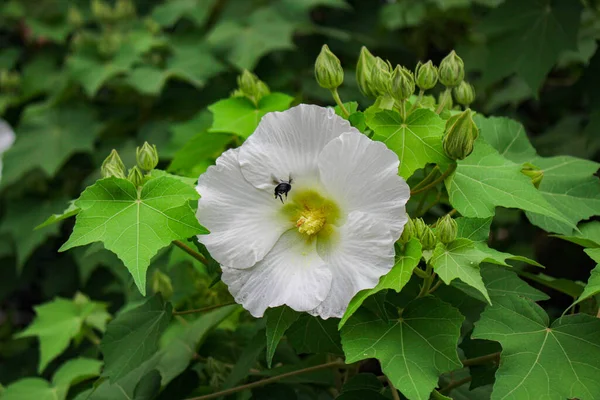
[[278, 321], [314, 335]]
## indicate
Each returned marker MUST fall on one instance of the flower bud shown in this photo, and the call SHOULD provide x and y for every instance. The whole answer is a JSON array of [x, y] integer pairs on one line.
[[419, 227], [161, 282], [113, 166], [364, 67], [408, 232], [452, 70], [101, 10], [136, 176], [74, 17], [536, 174], [426, 75], [460, 136], [403, 84], [464, 93], [124, 9], [146, 156], [446, 229], [10, 81], [328, 69], [448, 101], [428, 239], [381, 77], [252, 87], [262, 90]]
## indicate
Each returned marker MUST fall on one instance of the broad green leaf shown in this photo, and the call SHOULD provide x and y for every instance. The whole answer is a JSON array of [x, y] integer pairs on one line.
[[403, 14], [248, 358], [313, 335], [147, 80], [135, 224], [76, 370], [240, 116], [278, 321], [362, 386], [132, 337], [196, 10], [398, 276], [485, 180], [588, 235], [193, 62], [22, 216], [46, 137], [459, 259], [569, 184], [593, 284], [30, 388], [538, 32], [417, 141], [246, 42], [552, 361], [562, 285], [59, 321], [475, 229], [507, 136], [200, 151], [69, 212], [413, 350]]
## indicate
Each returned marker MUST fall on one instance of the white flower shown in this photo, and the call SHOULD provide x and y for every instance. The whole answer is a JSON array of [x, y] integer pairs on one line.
[[7, 138], [334, 234]]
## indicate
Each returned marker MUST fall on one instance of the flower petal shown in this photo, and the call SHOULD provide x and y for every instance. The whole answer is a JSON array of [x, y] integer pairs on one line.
[[287, 144], [362, 254], [244, 222], [7, 136], [292, 274], [362, 175]]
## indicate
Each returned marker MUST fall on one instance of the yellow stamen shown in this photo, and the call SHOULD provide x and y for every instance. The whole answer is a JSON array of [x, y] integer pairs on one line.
[[311, 221]]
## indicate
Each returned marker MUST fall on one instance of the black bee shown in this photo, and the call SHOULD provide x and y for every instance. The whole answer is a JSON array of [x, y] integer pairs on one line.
[[282, 188]]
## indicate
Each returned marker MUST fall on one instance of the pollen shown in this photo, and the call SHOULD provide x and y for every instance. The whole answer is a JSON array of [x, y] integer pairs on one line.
[[311, 221]]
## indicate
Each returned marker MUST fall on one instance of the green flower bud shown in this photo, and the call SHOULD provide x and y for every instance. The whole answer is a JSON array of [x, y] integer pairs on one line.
[[124, 9], [452, 70], [113, 166], [381, 77], [101, 10], [419, 227], [464, 93], [328, 69], [403, 84], [136, 176], [10, 81], [152, 26], [74, 17], [252, 87], [428, 239], [408, 232], [109, 43], [426, 75], [262, 90], [161, 282], [364, 67], [535, 173], [449, 103], [146, 156], [460, 136], [446, 229]]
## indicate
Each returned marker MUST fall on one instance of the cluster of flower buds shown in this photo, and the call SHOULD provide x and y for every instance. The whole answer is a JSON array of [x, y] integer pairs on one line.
[[445, 232], [122, 10], [251, 87], [10, 81], [147, 160]]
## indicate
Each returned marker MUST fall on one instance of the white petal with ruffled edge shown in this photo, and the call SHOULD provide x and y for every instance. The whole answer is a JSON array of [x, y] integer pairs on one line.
[[7, 136], [357, 259], [292, 274], [362, 175], [287, 144], [244, 222]]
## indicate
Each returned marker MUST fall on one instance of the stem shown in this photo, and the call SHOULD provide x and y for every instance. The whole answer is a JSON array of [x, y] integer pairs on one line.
[[435, 395], [395, 394], [427, 282], [443, 101], [191, 252], [334, 364], [449, 171], [420, 273], [428, 178], [430, 206], [437, 285], [482, 359], [455, 384], [204, 309], [337, 99], [416, 103], [92, 337]]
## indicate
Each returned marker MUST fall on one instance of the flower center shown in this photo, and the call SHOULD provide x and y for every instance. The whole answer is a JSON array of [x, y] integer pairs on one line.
[[310, 212]]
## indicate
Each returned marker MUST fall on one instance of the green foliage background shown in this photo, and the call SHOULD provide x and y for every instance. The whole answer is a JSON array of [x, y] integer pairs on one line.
[[80, 78]]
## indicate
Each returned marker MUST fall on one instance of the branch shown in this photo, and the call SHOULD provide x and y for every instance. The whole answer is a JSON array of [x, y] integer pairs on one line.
[[450, 170], [334, 364], [393, 389], [191, 252], [455, 384], [204, 309], [482, 359]]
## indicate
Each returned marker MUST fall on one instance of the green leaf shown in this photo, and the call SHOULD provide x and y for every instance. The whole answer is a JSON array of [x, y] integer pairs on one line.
[[69, 212], [30, 388], [262, 32], [588, 235], [147, 80], [417, 141], [500, 281], [135, 224], [59, 321], [555, 361], [538, 32], [240, 116], [46, 137], [459, 259], [398, 276], [278, 321], [246, 361], [593, 284], [362, 386], [507, 136], [193, 62], [196, 10], [313, 335], [132, 337], [75, 371], [485, 180], [475, 229], [413, 350], [198, 152]]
